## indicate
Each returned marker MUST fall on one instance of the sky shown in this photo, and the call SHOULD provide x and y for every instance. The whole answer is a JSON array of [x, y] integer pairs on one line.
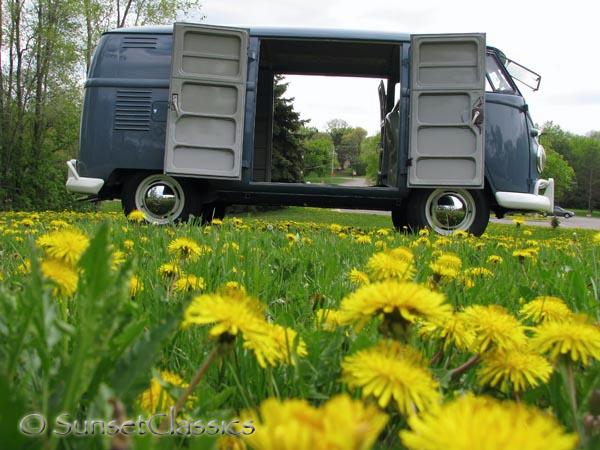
[[559, 40]]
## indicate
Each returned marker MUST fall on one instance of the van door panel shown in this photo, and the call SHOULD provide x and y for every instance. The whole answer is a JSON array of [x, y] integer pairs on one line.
[[446, 144], [207, 94]]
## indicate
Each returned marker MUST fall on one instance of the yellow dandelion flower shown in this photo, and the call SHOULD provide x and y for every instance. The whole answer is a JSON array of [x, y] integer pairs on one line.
[[227, 314], [524, 254], [452, 330], [185, 248], [481, 272], [494, 328], [386, 266], [24, 267], [485, 423], [546, 308], [576, 339], [291, 420], [335, 228], [518, 221], [328, 319], [391, 371], [188, 283], [67, 245], [446, 265], [230, 442], [424, 232], [216, 221], [596, 238], [135, 286], [136, 216], [409, 300], [273, 344], [460, 234], [62, 275], [27, 222], [363, 239], [494, 259], [349, 424], [117, 258], [233, 289], [423, 240], [515, 370], [383, 232], [157, 398], [169, 270], [358, 277], [128, 244], [58, 224]]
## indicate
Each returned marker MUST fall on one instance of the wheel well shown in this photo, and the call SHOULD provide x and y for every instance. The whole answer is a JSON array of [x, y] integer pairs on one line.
[[114, 185]]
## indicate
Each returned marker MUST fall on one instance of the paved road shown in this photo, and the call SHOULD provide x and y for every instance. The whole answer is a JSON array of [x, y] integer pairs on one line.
[[590, 223]]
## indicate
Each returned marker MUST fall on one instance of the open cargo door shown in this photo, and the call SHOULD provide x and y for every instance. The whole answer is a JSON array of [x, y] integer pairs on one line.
[[446, 145], [205, 123]]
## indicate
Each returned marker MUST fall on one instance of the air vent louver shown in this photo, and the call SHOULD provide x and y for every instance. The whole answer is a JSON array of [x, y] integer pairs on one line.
[[139, 42], [133, 108]]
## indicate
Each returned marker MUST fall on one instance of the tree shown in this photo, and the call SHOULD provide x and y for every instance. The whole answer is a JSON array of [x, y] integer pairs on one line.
[[587, 167], [558, 168], [287, 161], [349, 149], [318, 154], [369, 155], [45, 45]]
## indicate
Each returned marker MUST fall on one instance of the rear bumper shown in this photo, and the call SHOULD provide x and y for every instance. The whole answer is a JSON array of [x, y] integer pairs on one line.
[[529, 202], [82, 185]]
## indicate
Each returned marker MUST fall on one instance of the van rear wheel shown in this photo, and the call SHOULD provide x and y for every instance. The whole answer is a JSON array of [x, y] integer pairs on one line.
[[161, 198], [446, 210]]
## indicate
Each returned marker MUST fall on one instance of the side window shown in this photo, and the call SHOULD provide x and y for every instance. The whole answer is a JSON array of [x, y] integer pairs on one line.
[[495, 79]]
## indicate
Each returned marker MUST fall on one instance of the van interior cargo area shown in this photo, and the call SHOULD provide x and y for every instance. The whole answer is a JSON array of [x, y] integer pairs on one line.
[[324, 58]]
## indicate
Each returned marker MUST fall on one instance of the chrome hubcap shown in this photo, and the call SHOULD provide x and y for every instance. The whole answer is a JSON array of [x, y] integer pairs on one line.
[[160, 198], [450, 210]]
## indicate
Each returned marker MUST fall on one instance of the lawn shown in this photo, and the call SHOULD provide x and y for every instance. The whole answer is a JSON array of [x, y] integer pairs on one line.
[[372, 330]]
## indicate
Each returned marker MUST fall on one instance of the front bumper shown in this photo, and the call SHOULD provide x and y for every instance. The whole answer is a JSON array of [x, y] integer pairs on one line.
[[82, 185], [529, 202]]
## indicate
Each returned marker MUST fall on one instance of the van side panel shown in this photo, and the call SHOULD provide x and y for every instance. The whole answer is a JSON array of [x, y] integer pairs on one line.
[[125, 106]]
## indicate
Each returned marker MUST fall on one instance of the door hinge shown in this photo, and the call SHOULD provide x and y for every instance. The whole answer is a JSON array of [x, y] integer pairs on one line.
[[525, 108], [252, 55], [409, 162]]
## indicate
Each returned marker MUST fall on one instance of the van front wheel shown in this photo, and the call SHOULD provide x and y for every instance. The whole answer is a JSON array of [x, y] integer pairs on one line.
[[446, 210], [161, 198]]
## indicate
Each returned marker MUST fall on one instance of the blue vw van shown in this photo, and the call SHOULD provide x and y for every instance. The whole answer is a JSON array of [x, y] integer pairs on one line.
[[178, 122]]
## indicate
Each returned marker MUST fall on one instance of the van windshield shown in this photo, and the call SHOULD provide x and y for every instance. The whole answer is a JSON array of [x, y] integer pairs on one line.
[[495, 78], [522, 74]]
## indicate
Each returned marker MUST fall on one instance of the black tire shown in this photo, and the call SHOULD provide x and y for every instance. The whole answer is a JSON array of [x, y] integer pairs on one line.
[[212, 211], [399, 219], [443, 218], [175, 191]]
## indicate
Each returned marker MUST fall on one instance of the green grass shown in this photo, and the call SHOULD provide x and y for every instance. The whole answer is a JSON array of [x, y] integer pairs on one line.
[[584, 212], [75, 353]]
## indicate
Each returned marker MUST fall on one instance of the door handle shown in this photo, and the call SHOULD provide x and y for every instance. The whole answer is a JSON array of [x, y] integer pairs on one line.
[[175, 104], [477, 114]]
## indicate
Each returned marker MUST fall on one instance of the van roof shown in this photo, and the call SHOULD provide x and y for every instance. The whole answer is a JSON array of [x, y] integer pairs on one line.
[[287, 32]]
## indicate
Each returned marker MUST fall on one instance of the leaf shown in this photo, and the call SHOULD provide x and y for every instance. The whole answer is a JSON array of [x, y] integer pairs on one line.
[[130, 375]]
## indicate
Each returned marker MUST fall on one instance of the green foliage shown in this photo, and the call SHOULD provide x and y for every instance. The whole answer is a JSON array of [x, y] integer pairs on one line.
[[582, 153], [64, 355], [369, 155], [558, 168], [318, 154], [287, 160]]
